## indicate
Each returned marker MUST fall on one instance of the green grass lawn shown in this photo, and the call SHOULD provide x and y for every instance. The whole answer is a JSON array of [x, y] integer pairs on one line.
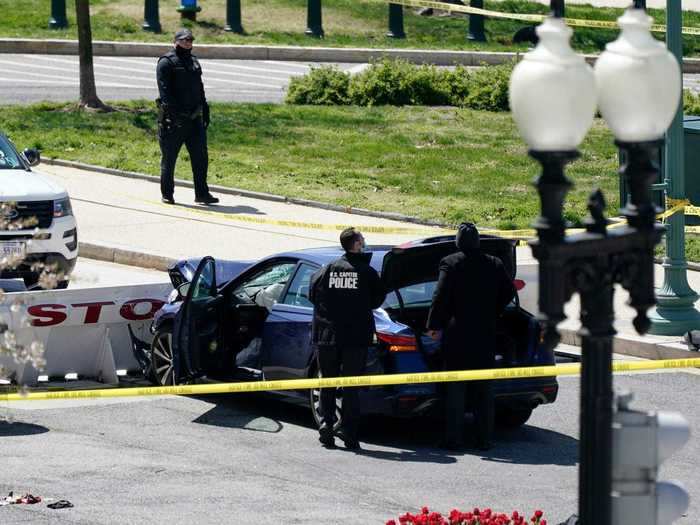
[[357, 23], [446, 164]]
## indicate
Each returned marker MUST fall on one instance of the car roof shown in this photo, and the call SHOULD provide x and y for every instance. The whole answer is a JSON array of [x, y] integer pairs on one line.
[[327, 254]]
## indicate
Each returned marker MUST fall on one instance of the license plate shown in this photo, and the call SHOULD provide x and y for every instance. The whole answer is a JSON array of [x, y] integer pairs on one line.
[[12, 249]]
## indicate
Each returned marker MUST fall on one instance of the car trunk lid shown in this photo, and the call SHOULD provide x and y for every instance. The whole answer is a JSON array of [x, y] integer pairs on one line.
[[418, 262]]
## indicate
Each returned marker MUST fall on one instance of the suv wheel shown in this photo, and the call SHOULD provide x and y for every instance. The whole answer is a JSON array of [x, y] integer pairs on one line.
[[315, 403]]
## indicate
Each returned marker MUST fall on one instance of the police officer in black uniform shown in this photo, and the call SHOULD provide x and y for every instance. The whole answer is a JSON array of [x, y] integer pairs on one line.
[[344, 293], [183, 117], [472, 292]]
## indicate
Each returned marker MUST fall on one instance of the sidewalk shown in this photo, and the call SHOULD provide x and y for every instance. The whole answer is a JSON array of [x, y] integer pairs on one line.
[[122, 220]]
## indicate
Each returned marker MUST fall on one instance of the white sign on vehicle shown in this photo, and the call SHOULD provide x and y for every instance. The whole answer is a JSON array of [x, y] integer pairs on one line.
[[12, 249]]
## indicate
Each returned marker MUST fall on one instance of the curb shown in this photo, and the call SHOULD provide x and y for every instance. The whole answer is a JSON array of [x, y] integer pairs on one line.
[[691, 265], [113, 254], [637, 346], [248, 52], [280, 53], [226, 190]]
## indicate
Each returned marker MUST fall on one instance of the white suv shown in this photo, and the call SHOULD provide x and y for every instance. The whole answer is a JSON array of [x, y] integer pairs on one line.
[[38, 234]]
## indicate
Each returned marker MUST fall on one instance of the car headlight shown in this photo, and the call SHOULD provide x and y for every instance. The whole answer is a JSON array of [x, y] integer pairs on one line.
[[62, 207]]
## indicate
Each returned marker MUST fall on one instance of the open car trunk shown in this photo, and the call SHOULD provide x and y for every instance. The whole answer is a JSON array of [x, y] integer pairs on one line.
[[415, 267]]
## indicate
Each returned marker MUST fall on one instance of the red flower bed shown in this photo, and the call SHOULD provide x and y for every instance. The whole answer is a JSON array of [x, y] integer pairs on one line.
[[475, 517]]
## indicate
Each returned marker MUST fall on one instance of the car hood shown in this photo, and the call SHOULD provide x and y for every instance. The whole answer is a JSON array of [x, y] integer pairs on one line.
[[21, 185], [418, 263]]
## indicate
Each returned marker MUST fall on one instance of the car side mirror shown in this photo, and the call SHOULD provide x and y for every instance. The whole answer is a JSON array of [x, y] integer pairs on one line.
[[183, 289], [32, 156]]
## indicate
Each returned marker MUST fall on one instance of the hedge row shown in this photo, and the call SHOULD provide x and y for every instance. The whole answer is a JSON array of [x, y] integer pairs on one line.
[[399, 83]]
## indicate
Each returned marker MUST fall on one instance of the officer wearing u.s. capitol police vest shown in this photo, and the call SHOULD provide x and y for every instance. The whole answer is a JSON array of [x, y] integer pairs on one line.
[[344, 293], [183, 118]]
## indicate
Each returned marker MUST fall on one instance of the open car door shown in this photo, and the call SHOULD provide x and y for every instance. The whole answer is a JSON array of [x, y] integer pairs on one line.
[[196, 329]]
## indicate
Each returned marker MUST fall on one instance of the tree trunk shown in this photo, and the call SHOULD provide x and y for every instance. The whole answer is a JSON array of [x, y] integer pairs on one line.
[[88, 90]]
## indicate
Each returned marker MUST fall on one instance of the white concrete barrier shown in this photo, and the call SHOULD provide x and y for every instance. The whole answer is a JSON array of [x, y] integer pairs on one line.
[[83, 331]]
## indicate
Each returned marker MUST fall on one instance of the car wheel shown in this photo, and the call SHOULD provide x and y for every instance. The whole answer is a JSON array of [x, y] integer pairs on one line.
[[162, 371], [511, 418], [315, 403]]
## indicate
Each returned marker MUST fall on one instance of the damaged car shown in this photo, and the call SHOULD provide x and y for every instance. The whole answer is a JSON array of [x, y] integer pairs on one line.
[[243, 321]]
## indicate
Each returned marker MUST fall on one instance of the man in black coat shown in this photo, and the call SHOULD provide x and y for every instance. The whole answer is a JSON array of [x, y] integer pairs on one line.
[[472, 292], [183, 118], [344, 293]]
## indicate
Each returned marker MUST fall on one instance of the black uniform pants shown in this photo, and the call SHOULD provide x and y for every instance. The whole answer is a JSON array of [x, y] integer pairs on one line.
[[192, 134], [335, 361], [481, 394]]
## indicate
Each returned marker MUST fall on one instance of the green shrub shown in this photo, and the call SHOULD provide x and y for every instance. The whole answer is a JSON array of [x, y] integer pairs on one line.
[[691, 103], [322, 86], [458, 80], [399, 83], [386, 82], [487, 88]]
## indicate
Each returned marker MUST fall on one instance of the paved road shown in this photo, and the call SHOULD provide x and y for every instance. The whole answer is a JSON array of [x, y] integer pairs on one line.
[[89, 273], [238, 459], [33, 78]]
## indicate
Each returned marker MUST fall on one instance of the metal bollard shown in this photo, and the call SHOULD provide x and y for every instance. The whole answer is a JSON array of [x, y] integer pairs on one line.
[[151, 19], [188, 9], [396, 21], [233, 17], [314, 26], [58, 18], [476, 23]]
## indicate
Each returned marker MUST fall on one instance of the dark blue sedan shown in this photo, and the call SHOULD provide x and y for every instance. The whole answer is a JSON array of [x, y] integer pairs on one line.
[[233, 321]]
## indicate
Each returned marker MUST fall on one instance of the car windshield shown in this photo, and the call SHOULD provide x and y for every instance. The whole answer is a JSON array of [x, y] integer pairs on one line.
[[8, 157], [420, 294]]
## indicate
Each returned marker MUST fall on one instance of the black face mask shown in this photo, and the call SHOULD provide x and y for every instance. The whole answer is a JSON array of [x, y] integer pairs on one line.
[[182, 52]]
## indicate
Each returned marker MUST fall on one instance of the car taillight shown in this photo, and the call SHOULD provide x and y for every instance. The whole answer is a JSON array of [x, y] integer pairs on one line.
[[398, 343], [519, 284]]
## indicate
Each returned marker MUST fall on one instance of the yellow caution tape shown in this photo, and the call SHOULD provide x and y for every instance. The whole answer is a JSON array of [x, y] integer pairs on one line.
[[521, 236], [311, 225], [574, 22], [354, 381]]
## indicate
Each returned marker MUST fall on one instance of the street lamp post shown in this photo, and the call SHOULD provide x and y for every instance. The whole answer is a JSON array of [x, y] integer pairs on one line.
[[58, 18], [314, 23], [233, 17], [476, 23], [396, 29], [553, 99], [151, 17], [676, 313]]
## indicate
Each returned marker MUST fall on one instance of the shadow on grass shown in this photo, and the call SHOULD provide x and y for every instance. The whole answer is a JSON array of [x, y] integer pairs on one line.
[[17, 428]]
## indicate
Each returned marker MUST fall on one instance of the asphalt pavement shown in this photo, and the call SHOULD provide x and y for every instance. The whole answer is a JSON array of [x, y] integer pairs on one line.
[[33, 78], [91, 273], [247, 459]]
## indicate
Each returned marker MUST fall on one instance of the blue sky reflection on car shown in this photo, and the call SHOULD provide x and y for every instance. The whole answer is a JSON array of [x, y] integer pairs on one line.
[[242, 320]]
